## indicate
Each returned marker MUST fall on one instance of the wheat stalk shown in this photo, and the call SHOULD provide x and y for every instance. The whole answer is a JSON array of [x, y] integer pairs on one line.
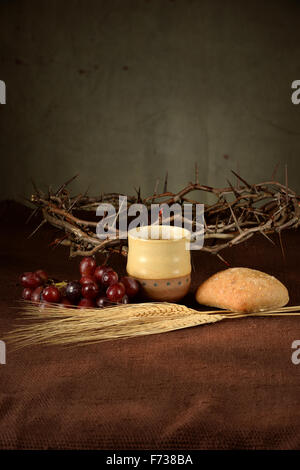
[[65, 326]]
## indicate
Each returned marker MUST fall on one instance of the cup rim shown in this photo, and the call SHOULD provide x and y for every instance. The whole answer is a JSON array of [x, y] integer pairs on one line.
[[186, 234]]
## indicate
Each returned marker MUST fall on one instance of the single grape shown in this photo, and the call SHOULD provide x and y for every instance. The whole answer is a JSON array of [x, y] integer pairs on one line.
[[51, 294], [42, 274], [87, 280], [109, 277], [125, 299], [36, 295], [30, 279], [102, 302], [73, 291], [115, 292], [86, 303], [99, 271], [90, 291], [87, 266], [131, 285], [26, 293]]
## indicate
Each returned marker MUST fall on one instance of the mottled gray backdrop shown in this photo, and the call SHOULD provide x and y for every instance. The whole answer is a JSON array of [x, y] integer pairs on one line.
[[122, 90]]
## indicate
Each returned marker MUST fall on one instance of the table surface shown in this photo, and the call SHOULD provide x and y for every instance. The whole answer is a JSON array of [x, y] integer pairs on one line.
[[230, 385]]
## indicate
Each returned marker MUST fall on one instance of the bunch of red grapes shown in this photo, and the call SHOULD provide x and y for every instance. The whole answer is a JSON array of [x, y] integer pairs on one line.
[[99, 286]]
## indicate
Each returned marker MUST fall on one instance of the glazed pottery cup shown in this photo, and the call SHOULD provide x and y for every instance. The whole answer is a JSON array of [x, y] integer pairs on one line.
[[159, 258]]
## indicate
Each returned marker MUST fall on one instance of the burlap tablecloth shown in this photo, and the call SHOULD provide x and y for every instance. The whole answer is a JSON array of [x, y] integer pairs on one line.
[[230, 385]]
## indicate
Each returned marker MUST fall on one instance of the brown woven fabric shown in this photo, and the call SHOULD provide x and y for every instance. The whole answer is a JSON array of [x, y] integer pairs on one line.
[[230, 385]]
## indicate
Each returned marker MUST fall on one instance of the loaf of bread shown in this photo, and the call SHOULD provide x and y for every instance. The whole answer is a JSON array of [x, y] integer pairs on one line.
[[242, 290]]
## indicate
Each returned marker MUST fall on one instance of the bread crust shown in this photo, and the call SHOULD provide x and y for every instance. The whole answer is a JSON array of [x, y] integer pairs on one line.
[[242, 290]]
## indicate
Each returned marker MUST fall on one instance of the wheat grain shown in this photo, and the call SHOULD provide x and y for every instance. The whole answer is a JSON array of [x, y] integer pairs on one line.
[[65, 326]]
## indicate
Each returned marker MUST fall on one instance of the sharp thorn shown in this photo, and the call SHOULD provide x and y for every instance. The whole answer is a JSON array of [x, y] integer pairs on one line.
[[274, 172], [286, 185], [222, 259], [241, 179], [233, 189], [166, 183], [35, 187], [281, 245], [33, 213], [156, 187], [196, 173], [235, 219], [38, 227], [268, 238], [62, 187]]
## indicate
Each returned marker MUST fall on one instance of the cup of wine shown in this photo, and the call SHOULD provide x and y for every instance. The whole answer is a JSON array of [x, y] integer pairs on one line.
[[159, 258]]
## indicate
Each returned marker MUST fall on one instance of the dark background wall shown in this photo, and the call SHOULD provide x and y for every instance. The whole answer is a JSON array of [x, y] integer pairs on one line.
[[122, 90]]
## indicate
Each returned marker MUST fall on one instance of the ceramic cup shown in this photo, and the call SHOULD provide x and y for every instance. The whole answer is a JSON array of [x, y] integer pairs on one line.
[[159, 258]]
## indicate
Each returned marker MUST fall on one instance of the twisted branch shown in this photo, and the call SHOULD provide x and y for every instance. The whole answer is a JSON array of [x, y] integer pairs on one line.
[[265, 208]]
